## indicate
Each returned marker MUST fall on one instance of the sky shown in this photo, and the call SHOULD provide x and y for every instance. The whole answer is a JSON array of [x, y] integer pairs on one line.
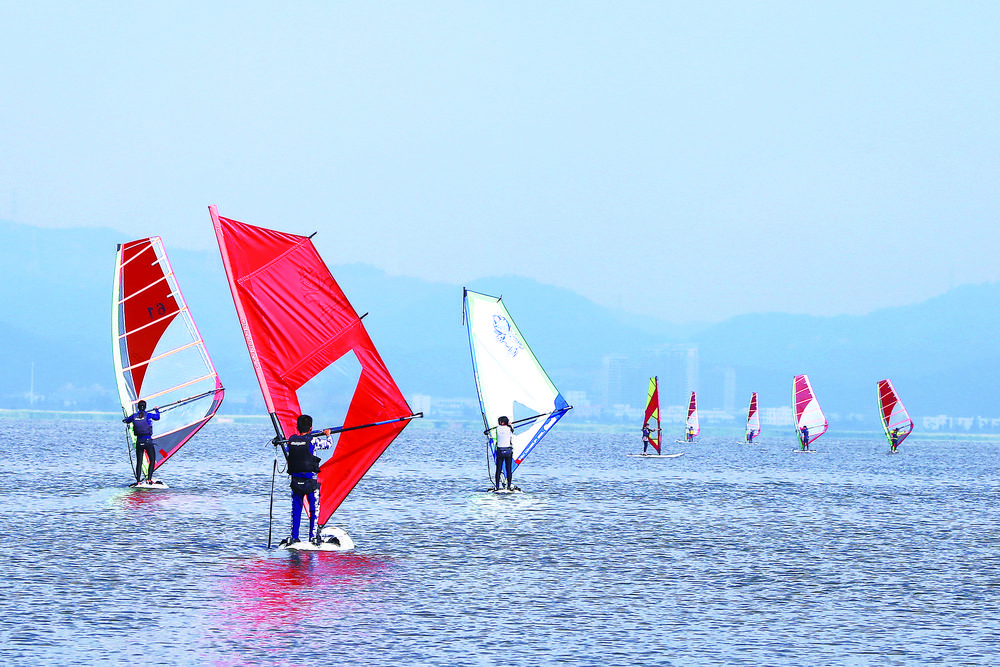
[[687, 160]]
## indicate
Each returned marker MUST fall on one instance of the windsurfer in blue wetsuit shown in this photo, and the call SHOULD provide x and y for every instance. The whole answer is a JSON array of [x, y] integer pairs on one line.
[[505, 452], [805, 437], [142, 426], [646, 431], [303, 464], [750, 435], [894, 439]]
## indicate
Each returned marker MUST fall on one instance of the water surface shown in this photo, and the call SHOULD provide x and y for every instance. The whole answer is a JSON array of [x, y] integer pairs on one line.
[[730, 554]]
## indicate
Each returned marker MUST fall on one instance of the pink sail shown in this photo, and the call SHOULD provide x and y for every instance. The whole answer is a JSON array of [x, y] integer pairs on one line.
[[895, 418], [808, 413], [753, 419], [297, 322], [692, 425]]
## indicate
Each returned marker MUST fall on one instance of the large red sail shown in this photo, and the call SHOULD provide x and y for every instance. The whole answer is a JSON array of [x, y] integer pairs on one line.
[[297, 321]]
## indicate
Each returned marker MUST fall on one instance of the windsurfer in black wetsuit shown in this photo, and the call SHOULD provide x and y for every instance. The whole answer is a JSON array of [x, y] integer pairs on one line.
[[505, 452], [303, 465], [894, 440], [646, 431], [142, 426]]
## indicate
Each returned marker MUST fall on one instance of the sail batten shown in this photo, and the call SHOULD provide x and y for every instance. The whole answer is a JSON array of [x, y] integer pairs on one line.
[[508, 375], [157, 349], [297, 322]]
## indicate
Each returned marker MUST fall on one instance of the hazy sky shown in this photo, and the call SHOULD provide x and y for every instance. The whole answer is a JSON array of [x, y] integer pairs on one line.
[[692, 160]]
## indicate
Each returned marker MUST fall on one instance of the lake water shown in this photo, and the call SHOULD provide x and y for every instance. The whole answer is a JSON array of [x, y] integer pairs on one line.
[[730, 554]]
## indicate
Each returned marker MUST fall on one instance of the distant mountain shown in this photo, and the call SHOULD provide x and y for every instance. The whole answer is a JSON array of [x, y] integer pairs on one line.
[[56, 289]]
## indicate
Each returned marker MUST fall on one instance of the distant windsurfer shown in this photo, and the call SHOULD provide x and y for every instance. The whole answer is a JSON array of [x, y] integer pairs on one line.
[[690, 434], [894, 440], [805, 438], [303, 464], [646, 431], [751, 434], [142, 427], [505, 452]]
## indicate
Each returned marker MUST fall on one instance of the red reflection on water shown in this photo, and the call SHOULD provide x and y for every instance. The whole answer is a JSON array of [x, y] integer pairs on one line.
[[133, 497], [275, 592]]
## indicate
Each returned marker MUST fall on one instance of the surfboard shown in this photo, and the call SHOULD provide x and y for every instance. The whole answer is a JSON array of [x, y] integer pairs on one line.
[[804, 451], [330, 539], [505, 491], [154, 484], [655, 456]]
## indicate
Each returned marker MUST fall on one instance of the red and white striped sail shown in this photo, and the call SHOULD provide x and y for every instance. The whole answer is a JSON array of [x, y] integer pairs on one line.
[[653, 413], [692, 425], [893, 413], [297, 322], [806, 408], [159, 355], [753, 418]]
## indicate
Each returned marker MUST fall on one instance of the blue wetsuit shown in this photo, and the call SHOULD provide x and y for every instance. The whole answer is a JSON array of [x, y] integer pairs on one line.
[[142, 426], [299, 451]]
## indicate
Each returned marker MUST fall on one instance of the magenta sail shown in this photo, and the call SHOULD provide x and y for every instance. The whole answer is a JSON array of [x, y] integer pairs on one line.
[[810, 422], [896, 421], [753, 419]]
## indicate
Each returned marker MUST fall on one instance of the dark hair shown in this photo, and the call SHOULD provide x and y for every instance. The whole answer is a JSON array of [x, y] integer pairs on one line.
[[503, 421], [141, 406], [304, 423]]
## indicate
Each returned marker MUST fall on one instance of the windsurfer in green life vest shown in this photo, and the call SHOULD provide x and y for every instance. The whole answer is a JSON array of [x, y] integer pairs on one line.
[[689, 436], [646, 431], [805, 437], [142, 426], [303, 465], [505, 452]]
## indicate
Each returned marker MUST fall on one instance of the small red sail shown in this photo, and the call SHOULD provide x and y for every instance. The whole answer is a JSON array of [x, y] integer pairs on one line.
[[653, 411], [297, 321]]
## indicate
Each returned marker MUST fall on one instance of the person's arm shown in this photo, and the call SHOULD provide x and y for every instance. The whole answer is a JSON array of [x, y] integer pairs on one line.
[[154, 413], [322, 441], [128, 420]]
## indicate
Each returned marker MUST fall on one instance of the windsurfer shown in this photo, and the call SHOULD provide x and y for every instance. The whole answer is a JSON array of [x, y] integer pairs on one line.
[[505, 452], [303, 465], [690, 434], [142, 426], [645, 437], [750, 435], [894, 439], [805, 437]]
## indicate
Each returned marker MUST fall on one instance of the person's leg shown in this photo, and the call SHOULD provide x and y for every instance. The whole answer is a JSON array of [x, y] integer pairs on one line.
[[312, 515], [296, 515], [496, 477]]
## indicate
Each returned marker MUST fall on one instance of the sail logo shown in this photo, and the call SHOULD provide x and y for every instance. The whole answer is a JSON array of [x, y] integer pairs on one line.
[[505, 335], [315, 288]]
